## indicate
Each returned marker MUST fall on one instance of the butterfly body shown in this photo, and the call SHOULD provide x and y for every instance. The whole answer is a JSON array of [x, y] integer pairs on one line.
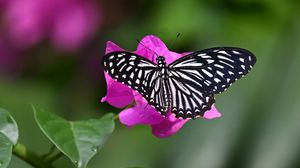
[[186, 87], [162, 87]]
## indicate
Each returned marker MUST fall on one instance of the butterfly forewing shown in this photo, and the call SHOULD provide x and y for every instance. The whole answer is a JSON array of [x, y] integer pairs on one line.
[[139, 74], [214, 69], [130, 69]]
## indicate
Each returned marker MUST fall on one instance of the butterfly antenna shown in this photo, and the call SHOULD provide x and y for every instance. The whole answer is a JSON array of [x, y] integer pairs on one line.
[[173, 42], [154, 53]]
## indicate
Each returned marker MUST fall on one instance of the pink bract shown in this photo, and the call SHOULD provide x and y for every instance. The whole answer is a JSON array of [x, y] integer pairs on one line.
[[119, 95], [67, 23], [10, 62]]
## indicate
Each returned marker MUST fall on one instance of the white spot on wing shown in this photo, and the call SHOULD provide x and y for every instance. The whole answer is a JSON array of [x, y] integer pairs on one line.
[[220, 73], [131, 75], [132, 58], [210, 61], [219, 66], [224, 58], [236, 52], [131, 63], [217, 80], [207, 73], [224, 52], [230, 73], [204, 56], [226, 64], [121, 55], [140, 74], [121, 61], [128, 68]]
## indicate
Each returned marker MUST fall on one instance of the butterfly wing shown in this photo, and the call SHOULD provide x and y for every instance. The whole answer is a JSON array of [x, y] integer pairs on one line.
[[215, 69], [139, 74], [195, 78], [130, 69], [189, 99]]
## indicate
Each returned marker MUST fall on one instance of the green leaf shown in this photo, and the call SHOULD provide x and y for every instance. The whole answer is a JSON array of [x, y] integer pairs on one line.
[[9, 135], [78, 140]]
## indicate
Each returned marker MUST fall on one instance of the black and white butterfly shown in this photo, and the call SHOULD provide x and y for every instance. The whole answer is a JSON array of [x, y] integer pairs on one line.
[[185, 87]]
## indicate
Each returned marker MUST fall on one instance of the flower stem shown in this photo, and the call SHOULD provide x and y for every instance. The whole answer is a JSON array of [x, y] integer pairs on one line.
[[52, 158], [52, 149], [30, 157], [116, 117]]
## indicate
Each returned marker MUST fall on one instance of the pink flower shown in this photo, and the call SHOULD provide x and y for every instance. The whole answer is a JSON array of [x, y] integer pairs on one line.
[[120, 95], [67, 23], [10, 62], [2, 3]]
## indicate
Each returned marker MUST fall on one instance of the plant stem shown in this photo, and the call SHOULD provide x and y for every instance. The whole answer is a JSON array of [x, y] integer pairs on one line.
[[52, 149], [30, 157], [116, 117], [52, 158]]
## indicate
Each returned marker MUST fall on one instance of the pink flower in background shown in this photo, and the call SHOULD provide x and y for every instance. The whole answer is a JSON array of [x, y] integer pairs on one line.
[[10, 61], [119, 95], [2, 3], [67, 23]]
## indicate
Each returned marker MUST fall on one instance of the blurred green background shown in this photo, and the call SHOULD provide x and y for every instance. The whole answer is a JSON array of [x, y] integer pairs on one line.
[[260, 126]]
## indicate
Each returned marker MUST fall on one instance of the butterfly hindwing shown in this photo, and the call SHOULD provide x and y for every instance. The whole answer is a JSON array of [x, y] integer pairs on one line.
[[188, 99]]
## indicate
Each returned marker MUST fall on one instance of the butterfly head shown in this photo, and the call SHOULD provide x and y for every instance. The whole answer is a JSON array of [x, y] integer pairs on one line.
[[161, 61]]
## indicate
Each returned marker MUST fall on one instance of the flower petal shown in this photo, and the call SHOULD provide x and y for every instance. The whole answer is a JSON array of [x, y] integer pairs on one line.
[[212, 113], [169, 126], [111, 47], [140, 114], [68, 23], [151, 46], [117, 94], [75, 25], [171, 56]]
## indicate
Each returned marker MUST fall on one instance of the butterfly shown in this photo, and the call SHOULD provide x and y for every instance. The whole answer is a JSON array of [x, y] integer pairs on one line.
[[187, 86]]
